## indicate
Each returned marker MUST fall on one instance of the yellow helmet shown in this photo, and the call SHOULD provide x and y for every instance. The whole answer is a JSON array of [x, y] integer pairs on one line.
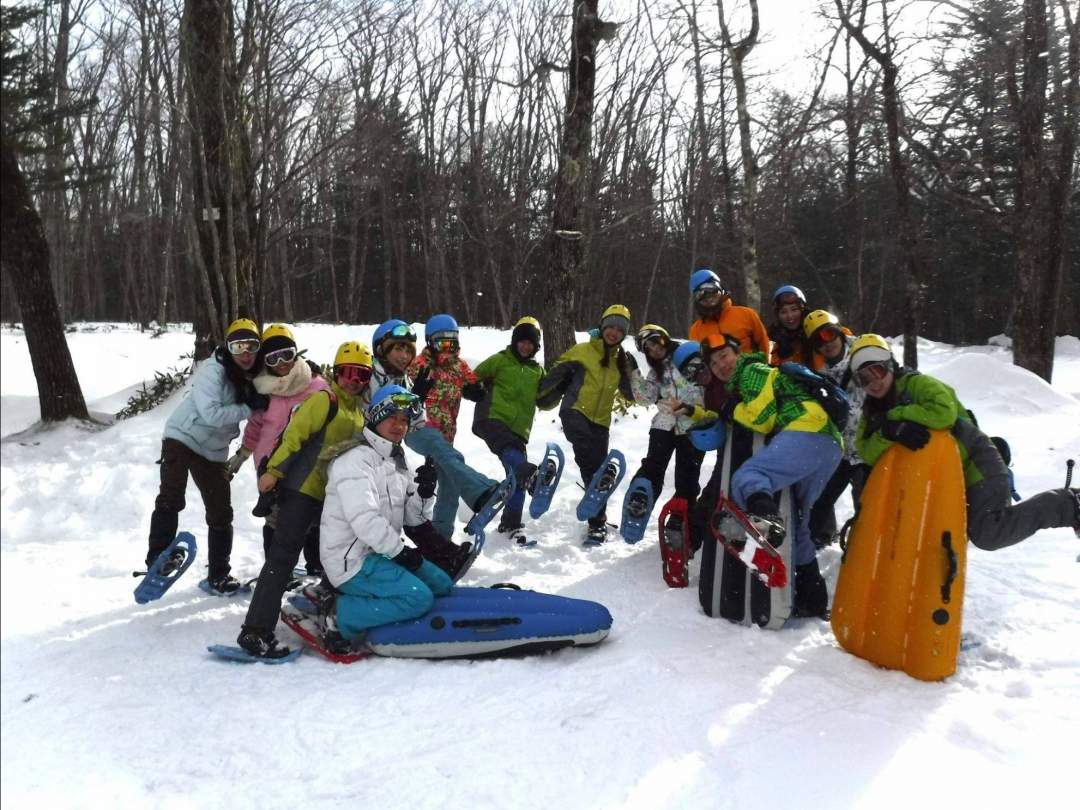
[[353, 353], [617, 310], [870, 348], [242, 329], [530, 320], [651, 330], [278, 330], [817, 319]]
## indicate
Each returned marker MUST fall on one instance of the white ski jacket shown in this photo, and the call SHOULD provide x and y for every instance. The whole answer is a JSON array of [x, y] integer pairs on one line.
[[668, 384], [370, 496]]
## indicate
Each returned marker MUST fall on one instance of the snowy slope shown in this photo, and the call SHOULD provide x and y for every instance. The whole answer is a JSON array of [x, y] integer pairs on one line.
[[104, 702]]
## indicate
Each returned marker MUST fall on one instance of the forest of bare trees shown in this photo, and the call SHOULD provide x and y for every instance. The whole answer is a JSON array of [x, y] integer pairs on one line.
[[348, 160]]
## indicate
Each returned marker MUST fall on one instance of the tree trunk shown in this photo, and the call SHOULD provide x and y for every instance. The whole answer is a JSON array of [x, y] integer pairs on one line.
[[24, 254]]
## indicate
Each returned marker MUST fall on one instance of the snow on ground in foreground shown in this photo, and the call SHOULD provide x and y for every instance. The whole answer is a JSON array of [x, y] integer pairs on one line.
[[105, 702]]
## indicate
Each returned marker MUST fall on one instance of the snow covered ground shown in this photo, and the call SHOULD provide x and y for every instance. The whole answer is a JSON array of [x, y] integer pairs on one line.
[[106, 703]]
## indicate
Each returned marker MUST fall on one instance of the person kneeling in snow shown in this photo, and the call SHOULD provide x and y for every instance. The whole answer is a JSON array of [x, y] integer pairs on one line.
[[904, 405], [370, 499]]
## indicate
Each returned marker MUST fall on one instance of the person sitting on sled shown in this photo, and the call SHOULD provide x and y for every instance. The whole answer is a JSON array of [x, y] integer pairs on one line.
[[904, 406], [803, 454], [370, 499]]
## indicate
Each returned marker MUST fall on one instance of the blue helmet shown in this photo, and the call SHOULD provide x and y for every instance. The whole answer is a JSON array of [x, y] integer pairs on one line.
[[391, 399], [788, 290], [706, 436], [392, 328], [439, 324], [686, 352], [703, 276]]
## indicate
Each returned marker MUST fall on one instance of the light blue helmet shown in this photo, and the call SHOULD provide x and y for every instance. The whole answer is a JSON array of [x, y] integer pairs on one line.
[[703, 276], [687, 351], [788, 290], [392, 328], [391, 399], [439, 325], [706, 436]]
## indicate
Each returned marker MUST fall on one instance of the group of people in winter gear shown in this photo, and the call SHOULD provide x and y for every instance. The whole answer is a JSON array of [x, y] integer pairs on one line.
[[334, 484]]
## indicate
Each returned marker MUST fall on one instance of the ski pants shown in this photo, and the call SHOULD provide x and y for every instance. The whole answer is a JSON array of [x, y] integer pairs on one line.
[[383, 592], [511, 450], [177, 462], [796, 459], [662, 444], [993, 523], [311, 540], [296, 514], [823, 515], [590, 444], [456, 478]]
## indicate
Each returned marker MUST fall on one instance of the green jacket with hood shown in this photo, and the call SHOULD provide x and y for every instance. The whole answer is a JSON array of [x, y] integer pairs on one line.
[[511, 385], [584, 383]]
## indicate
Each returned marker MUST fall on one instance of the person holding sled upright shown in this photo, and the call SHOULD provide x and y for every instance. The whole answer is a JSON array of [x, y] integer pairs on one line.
[[718, 316], [585, 378], [668, 433], [903, 406], [832, 343], [196, 443], [441, 378], [789, 343], [288, 379], [371, 498], [394, 343], [504, 416], [803, 454]]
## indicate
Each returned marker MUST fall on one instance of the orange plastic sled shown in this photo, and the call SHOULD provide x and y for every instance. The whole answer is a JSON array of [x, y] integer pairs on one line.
[[901, 589]]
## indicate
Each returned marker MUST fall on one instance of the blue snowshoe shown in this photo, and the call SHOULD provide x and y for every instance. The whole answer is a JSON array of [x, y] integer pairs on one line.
[[494, 504], [604, 481], [167, 568], [548, 475], [637, 506], [231, 653]]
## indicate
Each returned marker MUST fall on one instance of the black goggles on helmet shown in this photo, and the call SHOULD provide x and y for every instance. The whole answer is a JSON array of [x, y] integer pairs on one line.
[[692, 368], [707, 290]]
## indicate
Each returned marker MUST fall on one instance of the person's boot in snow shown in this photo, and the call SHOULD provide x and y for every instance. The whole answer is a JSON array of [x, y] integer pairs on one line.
[[226, 585], [261, 643], [811, 594], [763, 513]]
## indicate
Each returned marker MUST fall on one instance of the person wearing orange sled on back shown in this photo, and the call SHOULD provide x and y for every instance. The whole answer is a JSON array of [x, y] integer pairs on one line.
[[903, 406]]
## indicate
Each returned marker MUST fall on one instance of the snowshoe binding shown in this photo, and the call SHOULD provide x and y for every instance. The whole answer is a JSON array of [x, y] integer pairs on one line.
[[751, 539], [548, 474], [604, 481], [637, 506], [675, 549], [167, 568]]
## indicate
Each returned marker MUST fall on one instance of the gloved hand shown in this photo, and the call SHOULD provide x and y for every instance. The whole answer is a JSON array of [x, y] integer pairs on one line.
[[409, 558], [875, 422], [629, 363], [474, 392], [235, 462], [784, 343], [423, 382], [910, 434], [727, 409], [254, 400], [426, 479]]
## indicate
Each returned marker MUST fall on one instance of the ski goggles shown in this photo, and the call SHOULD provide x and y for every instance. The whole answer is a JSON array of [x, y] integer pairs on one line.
[[243, 346], [444, 343], [872, 373], [350, 374], [707, 290], [402, 330], [286, 355], [406, 403], [826, 334], [692, 368]]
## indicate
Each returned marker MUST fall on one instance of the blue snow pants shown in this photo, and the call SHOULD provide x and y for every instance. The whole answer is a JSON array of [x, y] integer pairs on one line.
[[456, 478], [803, 461], [383, 592]]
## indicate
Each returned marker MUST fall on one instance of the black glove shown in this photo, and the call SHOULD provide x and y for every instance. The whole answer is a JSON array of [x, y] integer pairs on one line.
[[910, 434], [254, 400], [784, 344], [875, 422], [422, 384], [727, 410], [629, 363], [474, 392], [409, 558], [426, 478]]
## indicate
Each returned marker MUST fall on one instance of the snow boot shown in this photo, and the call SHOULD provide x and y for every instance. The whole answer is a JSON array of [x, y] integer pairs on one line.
[[322, 595], [597, 534], [811, 594], [637, 504], [172, 562], [163, 525], [763, 513], [226, 585], [261, 643]]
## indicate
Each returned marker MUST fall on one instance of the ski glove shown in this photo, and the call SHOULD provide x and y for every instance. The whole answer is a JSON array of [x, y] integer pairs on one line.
[[254, 400], [910, 434], [426, 478], [409, 558], [726, 412], [422, 384], [474, 392], [236, 461]]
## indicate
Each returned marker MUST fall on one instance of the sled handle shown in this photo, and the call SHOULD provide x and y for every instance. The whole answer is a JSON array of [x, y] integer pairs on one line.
[[845, 532], [950, 555]]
